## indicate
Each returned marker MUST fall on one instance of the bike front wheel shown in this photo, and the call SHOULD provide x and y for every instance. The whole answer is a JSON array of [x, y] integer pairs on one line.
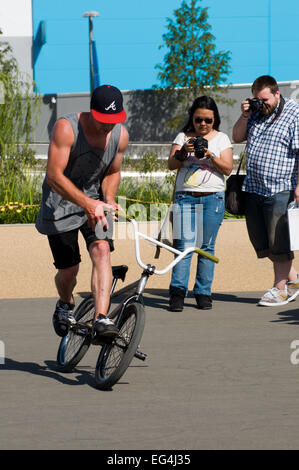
[[75, 344], [115, 358]]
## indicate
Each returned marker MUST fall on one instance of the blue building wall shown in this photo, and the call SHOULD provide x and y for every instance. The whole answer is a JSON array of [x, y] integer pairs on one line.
[[262, 36]]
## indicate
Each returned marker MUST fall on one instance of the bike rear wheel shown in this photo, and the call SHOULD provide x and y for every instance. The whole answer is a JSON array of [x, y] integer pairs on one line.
[[75, 344], [115, 358]]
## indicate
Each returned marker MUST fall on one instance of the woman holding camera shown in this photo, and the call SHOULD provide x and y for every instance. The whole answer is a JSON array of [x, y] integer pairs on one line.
[[202, 155]]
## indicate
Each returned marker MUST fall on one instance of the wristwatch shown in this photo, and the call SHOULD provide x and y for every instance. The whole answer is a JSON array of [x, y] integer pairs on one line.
[[212, 156]]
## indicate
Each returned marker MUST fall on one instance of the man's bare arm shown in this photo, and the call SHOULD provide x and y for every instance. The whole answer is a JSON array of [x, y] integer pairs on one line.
[[111, 182], [240, 128]]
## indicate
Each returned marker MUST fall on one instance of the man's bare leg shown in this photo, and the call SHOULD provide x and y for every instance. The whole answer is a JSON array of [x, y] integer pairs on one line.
[[101, 281], [101, 277], [283, 272], [65, 281]]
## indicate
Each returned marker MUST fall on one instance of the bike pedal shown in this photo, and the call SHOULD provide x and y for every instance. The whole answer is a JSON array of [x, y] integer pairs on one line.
[[140, 355], [101, 340]]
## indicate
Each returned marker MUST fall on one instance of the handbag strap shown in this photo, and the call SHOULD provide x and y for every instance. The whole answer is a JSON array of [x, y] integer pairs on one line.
[[239, 167], [173, 192], [158, 248]]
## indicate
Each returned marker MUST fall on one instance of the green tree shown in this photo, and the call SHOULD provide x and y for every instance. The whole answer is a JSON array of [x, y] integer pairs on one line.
[[192, 66], [19, 110]]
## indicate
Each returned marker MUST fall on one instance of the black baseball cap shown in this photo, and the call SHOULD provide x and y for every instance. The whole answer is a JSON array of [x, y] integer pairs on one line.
[[106, 105]]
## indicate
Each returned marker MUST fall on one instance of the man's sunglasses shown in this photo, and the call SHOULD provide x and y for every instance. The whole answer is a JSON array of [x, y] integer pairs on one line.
[[199, 120]]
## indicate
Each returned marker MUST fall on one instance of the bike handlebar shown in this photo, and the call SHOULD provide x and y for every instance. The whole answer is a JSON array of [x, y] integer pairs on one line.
[[180, 254]]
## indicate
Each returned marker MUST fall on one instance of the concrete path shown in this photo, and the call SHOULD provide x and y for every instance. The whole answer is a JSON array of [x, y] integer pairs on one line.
[[219, 379], [27, 271]]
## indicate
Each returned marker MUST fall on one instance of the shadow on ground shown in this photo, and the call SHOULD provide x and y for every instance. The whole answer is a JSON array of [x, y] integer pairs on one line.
[[79, 376], [288, 316], [50, 369], [161, 296]]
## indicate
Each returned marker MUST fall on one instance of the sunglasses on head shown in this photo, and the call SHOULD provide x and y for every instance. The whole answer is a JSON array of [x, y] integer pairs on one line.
[[199, 120]]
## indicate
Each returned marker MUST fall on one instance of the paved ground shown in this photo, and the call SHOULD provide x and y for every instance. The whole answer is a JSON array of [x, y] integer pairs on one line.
[[219, 379]]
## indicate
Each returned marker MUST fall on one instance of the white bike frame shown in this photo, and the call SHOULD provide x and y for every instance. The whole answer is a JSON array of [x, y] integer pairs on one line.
[[180, 254]]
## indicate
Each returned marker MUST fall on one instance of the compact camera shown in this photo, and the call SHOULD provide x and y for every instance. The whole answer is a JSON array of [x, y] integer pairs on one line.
[[199, 144], [255, 105]]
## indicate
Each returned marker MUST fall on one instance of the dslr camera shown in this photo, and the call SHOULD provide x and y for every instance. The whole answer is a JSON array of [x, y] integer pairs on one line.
[[199, 144], [255, 105]]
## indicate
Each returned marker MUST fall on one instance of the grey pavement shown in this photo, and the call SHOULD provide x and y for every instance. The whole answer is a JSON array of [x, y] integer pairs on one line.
[[218, 379]]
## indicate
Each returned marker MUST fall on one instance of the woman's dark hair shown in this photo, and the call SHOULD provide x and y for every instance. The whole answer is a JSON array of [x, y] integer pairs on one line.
[[203, 102]]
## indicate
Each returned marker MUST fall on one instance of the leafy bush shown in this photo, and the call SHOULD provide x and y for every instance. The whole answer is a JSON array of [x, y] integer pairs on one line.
[[146, 197], [19, 111], [18, 213]]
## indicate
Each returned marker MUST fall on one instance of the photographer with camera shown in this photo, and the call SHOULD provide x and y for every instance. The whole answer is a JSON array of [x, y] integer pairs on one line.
[[202, 155], [270, 124]]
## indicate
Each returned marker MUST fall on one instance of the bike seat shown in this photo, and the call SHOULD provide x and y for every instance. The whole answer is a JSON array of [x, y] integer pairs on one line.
[[119, 272]]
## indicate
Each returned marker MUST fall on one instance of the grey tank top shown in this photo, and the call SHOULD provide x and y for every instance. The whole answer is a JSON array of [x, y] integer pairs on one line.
[[86, 168]]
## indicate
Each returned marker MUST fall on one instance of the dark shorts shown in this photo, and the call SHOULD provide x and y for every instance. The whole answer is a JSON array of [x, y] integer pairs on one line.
[[267, 225], [65, 246]]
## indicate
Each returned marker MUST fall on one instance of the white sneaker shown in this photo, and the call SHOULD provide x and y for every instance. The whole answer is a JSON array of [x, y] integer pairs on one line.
[[274, 297], [293, 289]]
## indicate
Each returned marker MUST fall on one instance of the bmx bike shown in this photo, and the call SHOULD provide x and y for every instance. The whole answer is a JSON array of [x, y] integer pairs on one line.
[[116, 354]]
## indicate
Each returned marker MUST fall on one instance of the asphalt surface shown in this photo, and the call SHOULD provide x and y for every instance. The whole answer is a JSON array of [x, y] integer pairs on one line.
[[218, 379]]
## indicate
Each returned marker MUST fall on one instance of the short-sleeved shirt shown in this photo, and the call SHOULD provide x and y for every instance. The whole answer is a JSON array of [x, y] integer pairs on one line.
[[272, 151], [200, 175]]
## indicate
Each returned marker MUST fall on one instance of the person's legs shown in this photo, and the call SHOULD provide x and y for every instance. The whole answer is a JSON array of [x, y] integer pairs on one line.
[[275, 213], [213, 213], [256, 224], [186, 224], [275, 217], [66, 255], [99, 245], [284, 272], [101, 277], [185, 234], [65, 281]]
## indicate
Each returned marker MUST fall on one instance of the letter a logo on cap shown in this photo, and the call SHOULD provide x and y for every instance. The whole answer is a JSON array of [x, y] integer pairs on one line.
[[111, 106]]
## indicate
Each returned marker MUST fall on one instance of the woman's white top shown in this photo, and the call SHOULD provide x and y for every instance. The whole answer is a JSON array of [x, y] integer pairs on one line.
[[200, 174]]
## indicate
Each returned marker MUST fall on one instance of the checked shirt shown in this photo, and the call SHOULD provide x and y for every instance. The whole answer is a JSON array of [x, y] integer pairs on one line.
[[272, 151]]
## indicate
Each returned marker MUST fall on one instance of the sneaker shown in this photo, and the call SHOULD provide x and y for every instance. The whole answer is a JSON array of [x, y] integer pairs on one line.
[[104, 327], [176, 303], [204, 302], [176, 300], [274, 297], [63, 318], [293, 289]]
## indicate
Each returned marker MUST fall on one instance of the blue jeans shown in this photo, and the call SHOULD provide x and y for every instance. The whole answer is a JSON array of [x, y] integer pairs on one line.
[[212, 215]]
